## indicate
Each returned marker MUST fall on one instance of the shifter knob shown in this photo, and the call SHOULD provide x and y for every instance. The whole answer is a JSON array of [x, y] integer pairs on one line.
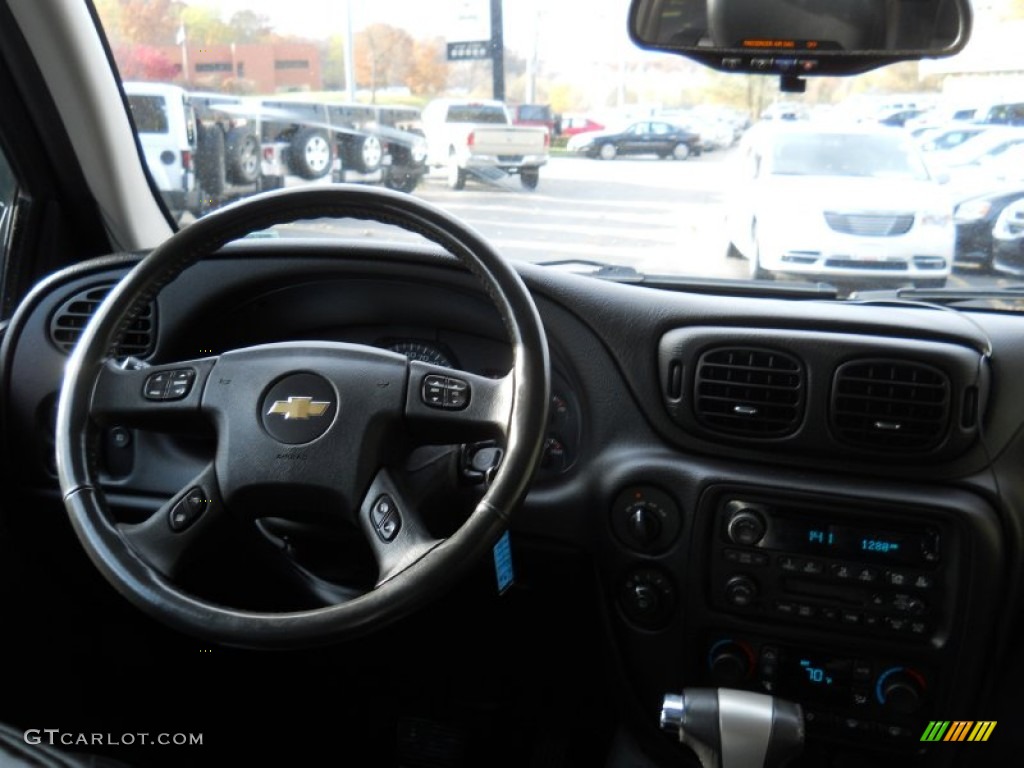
[[735, 729]]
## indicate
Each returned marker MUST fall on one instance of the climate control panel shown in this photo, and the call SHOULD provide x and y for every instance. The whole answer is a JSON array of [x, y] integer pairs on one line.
[[874, 697]]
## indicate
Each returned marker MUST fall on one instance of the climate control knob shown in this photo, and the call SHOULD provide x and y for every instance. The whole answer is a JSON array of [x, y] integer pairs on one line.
[[746, 524], [645, 523], [900, 689]]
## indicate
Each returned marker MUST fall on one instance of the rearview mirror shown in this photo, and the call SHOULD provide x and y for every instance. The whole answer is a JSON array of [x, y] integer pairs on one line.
[[795, 38]]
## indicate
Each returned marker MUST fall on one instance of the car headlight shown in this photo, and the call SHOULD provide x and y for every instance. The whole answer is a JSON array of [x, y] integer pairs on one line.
[[972, 210], [936, 218], [419, 150]]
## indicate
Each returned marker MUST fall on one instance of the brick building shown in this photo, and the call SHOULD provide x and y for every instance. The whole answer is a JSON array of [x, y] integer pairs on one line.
[[248, 68]]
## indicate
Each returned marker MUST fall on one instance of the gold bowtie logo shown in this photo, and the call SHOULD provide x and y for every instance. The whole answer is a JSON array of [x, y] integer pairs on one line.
[[299, 407]]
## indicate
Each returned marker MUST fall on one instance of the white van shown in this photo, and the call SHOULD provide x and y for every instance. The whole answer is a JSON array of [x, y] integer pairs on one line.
[[166, 124]]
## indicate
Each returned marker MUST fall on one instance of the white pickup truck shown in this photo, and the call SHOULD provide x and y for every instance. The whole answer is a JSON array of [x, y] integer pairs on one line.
[[477, 137]]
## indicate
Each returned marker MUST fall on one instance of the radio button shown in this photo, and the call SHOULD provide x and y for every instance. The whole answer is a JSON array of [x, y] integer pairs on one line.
[[788, 563], [896, 624], [867, 575], [842, 571], [806, 611], [923, 581], [872, 620], [851, 617], [829, 614], [898, 578], [813, 567], [918, 628], [786, 609], [860, 698], [746, 558]]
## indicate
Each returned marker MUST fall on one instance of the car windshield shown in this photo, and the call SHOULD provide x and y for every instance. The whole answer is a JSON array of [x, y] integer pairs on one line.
[[845, 154], [564, 143]]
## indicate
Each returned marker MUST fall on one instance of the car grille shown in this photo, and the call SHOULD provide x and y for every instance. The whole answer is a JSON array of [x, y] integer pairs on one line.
[[870, 224], [887, 266]]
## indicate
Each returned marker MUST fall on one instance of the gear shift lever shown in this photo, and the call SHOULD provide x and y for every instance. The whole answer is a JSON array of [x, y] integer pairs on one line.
[[735, 729]]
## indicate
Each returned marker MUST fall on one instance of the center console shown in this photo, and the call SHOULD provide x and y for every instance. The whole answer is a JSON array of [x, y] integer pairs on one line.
[[846, 607]]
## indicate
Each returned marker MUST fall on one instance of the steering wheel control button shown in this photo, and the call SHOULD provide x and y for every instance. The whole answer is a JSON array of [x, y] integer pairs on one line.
[[169, 385], [188, 510], [445, 392], [299, 408], [155, 387], [385, 518], [180, 383]]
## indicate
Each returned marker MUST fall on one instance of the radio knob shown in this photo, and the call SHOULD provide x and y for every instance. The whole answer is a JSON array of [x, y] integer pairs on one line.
[[746, 527], [741, 591], [730, 663], [900, 690]]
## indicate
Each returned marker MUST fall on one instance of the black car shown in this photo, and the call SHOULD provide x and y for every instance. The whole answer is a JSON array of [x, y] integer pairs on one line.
[[975, 218], [647, 137], [1008, 239]]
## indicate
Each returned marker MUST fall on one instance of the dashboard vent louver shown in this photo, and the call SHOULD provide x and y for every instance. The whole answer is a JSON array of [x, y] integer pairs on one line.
[[746, 391], [72, 316], [891, 405]]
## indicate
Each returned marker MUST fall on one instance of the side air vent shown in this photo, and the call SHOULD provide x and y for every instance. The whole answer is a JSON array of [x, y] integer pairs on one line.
[[753, 392], [891, 405], [71, 317]]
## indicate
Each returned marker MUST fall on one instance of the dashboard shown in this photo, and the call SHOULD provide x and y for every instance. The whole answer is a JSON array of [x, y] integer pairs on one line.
[[814, 499]]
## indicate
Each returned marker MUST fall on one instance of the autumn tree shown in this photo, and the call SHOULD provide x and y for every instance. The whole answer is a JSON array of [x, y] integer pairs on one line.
[[150, 21], [383, 57], [144, 62], [250, 27], [204, 26], [428, 74]]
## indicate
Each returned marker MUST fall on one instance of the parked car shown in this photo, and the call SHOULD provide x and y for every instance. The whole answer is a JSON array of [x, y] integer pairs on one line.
[[165, 123], [645, 137], [1008, 239], [975, 218], [539, 115], [574, 124], [477, 137], [839, 203]]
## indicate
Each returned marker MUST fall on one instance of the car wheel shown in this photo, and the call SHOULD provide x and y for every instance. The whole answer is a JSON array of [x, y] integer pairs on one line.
[[607, 152], [370, 154], [241, 394], [680, 151], [310, 154], [402, 182], [456, 175], [242, 150], [529, 178]]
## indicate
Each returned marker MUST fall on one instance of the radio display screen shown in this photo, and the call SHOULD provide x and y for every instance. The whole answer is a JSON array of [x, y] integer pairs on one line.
[[814, 536]]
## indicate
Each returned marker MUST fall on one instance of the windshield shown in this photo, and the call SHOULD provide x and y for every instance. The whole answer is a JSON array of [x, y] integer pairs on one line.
[[846, 154], [894, 179]]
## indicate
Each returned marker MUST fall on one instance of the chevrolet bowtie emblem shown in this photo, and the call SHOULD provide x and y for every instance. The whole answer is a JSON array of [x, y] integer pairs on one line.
[[299, 407]]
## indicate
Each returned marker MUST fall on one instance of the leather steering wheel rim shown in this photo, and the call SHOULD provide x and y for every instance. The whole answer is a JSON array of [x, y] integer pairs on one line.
[[156, 594]]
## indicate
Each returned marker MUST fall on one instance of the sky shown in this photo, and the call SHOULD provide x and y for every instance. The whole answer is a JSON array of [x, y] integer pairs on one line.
[[599, 24]]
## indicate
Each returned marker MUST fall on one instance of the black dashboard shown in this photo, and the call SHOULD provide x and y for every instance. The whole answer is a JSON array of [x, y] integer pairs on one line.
[[809, 498]]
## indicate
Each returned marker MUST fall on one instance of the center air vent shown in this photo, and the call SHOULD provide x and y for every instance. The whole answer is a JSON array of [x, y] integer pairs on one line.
[[890, 405], [72, 316], [755, 392]]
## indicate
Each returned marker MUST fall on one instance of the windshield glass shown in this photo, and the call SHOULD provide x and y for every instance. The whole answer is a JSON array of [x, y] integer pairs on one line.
[[561, 141]]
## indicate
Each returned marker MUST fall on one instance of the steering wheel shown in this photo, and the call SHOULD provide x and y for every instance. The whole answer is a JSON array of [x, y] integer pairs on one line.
[[315, 415]]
